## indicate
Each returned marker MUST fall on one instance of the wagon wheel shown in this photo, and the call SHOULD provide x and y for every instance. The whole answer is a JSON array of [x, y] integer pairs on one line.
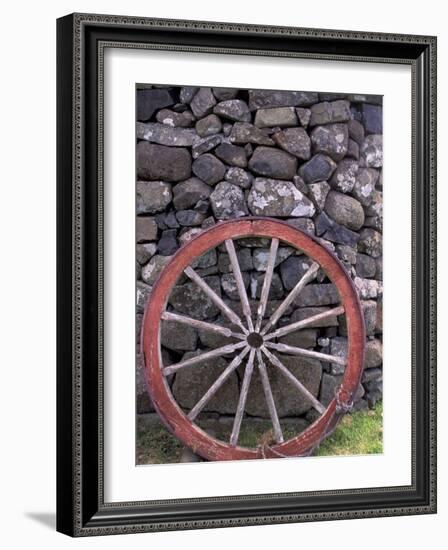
[[255, 345]]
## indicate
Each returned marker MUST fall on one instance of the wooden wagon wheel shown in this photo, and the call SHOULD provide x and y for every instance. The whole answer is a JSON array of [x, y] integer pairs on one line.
[[254, 341]]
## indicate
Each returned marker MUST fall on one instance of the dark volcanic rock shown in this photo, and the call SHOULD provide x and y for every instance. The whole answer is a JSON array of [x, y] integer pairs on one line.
[[232, 154], [318, 192], [171, 118], [269, 197], [163, 134], [330, 112], [244, 132], [190, 300], [152, 196], [152, 270], [148, 101], [208, 126], [222, 94], [177, 336], [372, 118], [233, 109], [239, 177], [344, 177], [189, 192], [344, 210], [187, 93], [294, 141], [292, 270], [209, 169], [372, 151], [331, 140], [319, 168], [203, 102], [365, 266], [279, 117], [259, 99], [227, 201], [167, 244], [317, 295], [273, 163], [370, 242], [304, 116], [190, 217], [146, 229], [158, 162]]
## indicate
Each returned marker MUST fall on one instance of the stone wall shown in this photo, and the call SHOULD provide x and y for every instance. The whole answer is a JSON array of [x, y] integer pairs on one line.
[[311, 159]]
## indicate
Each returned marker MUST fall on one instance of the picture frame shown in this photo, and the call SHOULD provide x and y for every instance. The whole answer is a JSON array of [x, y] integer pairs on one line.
[[81, 506]]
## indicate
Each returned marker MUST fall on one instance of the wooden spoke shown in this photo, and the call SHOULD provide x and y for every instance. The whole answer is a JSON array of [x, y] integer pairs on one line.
[[305, 322], [277, 363], [224, 350], [278, 434], [239, 283], [266, 283], [243, 398], [202, 325], [307, 277], [217, 384], [291, 350], [231, 315]]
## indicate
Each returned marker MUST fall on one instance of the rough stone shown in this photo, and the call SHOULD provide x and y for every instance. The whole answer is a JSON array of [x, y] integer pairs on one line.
[[232, 154], [239, 177], [334, 232], [318, 168], [146, 229], [143, 291], [368, 288], [372, 118], [339, 348], [143, 401], [158, 162], [228, 284], [330, 112], [318, 192], [245, 262], [144, 252], [203, 102], [276, 291], [292, 270], [215, 340], [303, 224], [365, 266], [375, 207], [244, 132], [207, 260], [260, 257], [177, 336], [171, 118], [152, 196], [223, 94], [304, 116], [317, 295], [190, 217], [187, 93], [328, 387], [209, 169], [189, 192], [305, 338], [365, 185], [270, 197], [206, 144], [152, 270], [295, 141], [374, 354], [259, 99], [233, 109], [191, 300], [279, 116], [346, 253], [228, 202], [331, 140], [167, 244], [370, 242], [356, 131], [372, 151], [302, 313], [370, 316], [345, 210], [169, 136], [208, 126], [167, 220], [352, 150], [273, 163], [148, 101], [344, 177]]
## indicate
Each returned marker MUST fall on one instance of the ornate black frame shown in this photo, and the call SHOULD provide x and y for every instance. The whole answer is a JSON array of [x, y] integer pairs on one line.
[[81, 39]]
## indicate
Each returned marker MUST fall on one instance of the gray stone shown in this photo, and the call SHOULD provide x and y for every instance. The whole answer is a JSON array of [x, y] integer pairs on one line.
[[177, 336], [279, 116], [356, 131], [143, 291], [233, 109], [319, 168], [190, 217], [365, 266], [270, 197], [232, 154], [328, 387], [344, 210], [372, 375], [208, 126], [209, 169], [379, 268], [167, 244], [144, 252], [203, 102], [260, 257], [303, 224], [295, 141], [202, 206], [302, 313], [344, 177], [370, 242], [191, 384], [352, 150], [331, 140], [374, 354], [190, 300], [364, 187], [222, 94], [288, 400], [169, 136], [206, 144], [318, 192], [375, 207], [365, 98], [339, 348], [187, 93], [171, 118], [273, 163], [215, 340], [167, 220], [300, 184], [143, 401], [158, 162], [228, 284], [368, 288], [207, 260], [317, 295], [188, 234], [228, 202], [304, 116], [375, 222], [148, 101], [292, 270], [334, 232], [146, 229], [330, 112], [305, 338], [239, 177], [372, 118], [346, 253], [152, 270], [259, 99], [189, 192], [372, 151], [370, 314], [152, 196], [276, 291], [244, 132], [245, 262]]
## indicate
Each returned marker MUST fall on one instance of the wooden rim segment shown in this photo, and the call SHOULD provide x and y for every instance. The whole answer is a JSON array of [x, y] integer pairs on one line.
[[169, 411]]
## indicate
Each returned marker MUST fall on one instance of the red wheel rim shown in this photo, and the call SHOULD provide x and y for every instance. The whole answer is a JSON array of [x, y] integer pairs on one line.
[[166, 406]]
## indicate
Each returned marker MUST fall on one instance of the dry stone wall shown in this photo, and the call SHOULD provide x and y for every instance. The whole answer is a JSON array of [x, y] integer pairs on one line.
[[311, 159]]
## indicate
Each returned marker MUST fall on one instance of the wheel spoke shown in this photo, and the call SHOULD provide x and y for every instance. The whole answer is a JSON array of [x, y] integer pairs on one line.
[[239, 283], [217, 384], [278, 434], [291, 350], [202, 325], [277, 363], [266, 283], [231, 315], [224, 350], [242, 400], [307, 277], [305, 322]]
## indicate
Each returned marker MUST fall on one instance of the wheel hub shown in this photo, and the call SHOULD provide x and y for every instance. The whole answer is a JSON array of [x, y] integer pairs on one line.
[[255, 340]]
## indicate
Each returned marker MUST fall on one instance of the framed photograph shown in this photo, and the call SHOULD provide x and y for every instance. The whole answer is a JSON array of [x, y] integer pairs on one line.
[[246, 275]]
